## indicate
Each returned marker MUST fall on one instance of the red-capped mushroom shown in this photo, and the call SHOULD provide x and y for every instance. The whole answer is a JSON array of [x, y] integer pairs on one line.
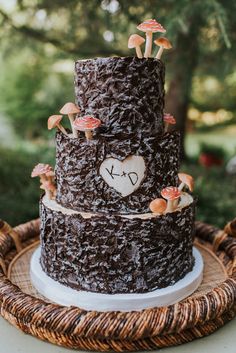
[[163, 43], [71, 109], [49, 189], [87, 124], [41, 170], [54, 121], [149, 27], [171, 194], [135, 41], [158, 206], [186, 180], [168, 120]]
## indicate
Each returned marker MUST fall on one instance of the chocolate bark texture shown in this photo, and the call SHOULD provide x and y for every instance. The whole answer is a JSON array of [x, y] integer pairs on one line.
[[113, 254], [81, 187], [126, 94]]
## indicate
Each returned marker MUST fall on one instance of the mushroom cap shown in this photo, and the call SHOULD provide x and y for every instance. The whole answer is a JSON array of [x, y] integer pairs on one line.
[[164, 42], [170, 193], [169, 119], [40, 169], [53, 121], [50, 174], [135, 40], [187, 179], [70, 108], [86, 123], [158, 206], [151, 26]]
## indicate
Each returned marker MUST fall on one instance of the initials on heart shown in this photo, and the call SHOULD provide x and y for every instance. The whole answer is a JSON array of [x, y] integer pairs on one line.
[[124, 176]]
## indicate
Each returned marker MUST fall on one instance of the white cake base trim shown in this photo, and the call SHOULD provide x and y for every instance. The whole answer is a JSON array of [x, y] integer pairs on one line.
[[66, 296]]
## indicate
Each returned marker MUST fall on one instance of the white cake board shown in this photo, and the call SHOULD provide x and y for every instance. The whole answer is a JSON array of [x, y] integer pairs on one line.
[[66, 296]]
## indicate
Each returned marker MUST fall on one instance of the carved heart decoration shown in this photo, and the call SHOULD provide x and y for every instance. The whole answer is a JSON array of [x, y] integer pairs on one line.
[[124, 176]]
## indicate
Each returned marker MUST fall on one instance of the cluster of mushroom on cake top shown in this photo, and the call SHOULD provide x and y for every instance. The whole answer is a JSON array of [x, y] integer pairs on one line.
[[149, 27]]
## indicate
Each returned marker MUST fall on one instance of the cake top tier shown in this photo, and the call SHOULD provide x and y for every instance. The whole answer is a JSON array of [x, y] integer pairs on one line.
[[125, 93]]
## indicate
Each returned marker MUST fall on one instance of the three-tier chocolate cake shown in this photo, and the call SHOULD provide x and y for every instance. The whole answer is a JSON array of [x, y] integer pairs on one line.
[[99, 232]]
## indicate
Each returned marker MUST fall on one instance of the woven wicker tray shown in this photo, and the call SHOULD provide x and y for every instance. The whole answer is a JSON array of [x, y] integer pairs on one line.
[[202, 313]]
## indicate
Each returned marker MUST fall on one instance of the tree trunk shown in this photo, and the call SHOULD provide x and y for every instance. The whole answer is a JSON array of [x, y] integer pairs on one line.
[[183, 65]]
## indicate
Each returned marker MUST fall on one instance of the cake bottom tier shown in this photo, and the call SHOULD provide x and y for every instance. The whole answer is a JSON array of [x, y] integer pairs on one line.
[[109, 253]]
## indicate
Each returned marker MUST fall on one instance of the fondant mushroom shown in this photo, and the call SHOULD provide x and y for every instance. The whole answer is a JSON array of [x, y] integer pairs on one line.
[[54, 121], [158, 206], [49, 189], [87, 124], [168, 120], [163, 43], [71, 109], [149, 27], [51, 177], [171, 194], [135, 41], [41, 171], [186, 180]]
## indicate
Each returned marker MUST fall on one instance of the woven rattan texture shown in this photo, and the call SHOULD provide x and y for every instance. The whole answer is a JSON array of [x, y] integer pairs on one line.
[[19, 271], [149, 329]]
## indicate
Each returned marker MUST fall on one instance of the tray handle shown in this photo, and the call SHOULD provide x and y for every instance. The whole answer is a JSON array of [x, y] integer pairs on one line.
[[6, 229], [230, 228], [3, 266], [221, 235]]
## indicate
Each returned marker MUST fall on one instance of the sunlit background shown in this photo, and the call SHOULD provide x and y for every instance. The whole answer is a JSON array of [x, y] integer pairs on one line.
[[40, 41]]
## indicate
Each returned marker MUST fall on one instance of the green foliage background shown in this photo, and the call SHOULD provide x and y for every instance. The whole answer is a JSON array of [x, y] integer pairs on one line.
[[41, 39]]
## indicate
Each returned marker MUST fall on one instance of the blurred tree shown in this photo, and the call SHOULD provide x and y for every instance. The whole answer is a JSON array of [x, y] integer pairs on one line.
[[31, 91], [201, 32]]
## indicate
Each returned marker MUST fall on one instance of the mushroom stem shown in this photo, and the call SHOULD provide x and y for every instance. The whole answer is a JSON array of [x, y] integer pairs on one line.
[[43, 178], [48, 194], [166, 127], [159, 53], [74, 131], [53, 193], [139, 52], [181, 186], [89, 134], [148, 46], [62, 129], [170, 206]]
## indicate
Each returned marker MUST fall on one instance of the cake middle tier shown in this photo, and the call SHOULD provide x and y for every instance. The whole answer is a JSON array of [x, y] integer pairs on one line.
[[115, 175]]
